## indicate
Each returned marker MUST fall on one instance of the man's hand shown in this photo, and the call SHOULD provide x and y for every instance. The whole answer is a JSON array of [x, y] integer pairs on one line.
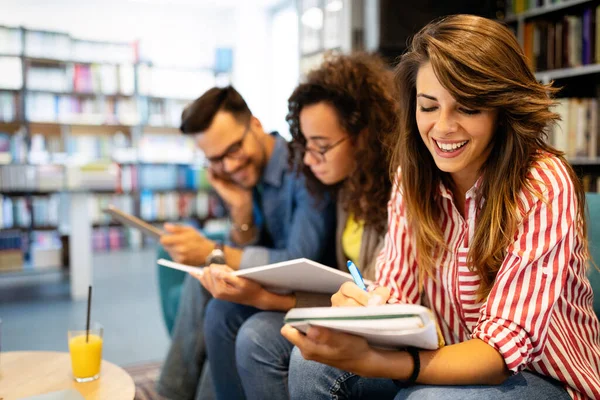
[[234, 196], [351, 295], [186, 245], [223, 285]]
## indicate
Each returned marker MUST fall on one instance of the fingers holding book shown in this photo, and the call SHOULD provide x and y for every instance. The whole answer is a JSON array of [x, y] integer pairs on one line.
[[340, 350]]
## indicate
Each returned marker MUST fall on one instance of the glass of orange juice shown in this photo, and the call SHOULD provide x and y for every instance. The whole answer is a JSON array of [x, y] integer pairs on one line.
[[86, 353]]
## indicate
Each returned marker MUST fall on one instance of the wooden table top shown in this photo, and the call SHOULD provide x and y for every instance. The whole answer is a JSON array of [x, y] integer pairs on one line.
[[29, 373]]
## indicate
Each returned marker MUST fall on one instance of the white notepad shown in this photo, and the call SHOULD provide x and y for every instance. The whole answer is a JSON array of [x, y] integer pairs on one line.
[[389, 326], [289, 276]]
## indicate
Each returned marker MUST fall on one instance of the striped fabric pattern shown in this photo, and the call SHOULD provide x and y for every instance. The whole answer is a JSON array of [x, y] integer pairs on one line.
[[539, 313]]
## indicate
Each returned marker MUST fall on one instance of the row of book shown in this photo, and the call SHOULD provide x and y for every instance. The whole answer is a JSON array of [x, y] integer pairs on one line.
[[116, 238], [520, 6], [65, 109], [161, 177], [31, 178], [13, 147], [570, 41], [21, 212], [165, 112], [11, 250], [174, 206], [8, 106], [577, 132], [591, 183], [101, 176], [56, 45], [82, 78]]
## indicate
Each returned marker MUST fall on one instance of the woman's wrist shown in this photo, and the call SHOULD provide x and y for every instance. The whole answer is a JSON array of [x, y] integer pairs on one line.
[[391, 364]]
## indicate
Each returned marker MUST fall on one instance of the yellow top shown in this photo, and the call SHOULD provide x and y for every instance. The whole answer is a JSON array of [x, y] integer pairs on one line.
[[352, 238]]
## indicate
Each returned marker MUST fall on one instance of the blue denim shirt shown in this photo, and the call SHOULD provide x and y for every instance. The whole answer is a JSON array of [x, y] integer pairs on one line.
[[297, 225]]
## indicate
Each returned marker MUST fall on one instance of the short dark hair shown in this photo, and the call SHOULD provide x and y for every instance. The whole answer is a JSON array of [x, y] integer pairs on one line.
[[198, 116]]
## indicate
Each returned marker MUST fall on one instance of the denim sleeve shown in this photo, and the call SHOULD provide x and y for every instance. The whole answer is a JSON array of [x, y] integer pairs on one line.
[[313, 225]]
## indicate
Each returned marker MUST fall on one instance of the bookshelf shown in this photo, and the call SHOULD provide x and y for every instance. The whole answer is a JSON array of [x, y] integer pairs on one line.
[[88, 123], [561, 40], [327, 26]]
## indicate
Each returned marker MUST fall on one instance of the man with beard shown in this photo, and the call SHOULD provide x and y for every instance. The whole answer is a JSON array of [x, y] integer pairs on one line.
[[273, 218]]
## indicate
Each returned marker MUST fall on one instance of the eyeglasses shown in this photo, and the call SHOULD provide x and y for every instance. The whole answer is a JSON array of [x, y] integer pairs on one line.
[[318, 154], [234, 152]]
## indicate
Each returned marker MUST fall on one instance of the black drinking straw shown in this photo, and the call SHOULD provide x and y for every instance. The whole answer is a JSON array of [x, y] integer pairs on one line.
[[87, 328]]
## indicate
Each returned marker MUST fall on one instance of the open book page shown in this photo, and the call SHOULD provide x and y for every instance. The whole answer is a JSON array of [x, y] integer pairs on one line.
[[181, 267]]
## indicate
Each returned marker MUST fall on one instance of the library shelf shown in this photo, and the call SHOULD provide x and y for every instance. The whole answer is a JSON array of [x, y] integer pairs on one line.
[[578, 161], [57, 61], [78, 94], [22, 272], [539, 11], [568, 72]]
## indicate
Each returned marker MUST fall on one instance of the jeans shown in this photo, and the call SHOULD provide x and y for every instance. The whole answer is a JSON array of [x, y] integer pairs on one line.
[[247, 340], [185, 375], [315, 381]]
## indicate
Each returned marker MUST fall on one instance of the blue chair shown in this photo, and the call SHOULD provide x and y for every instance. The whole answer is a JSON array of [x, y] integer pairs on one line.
[[593, 220], [170, 282]]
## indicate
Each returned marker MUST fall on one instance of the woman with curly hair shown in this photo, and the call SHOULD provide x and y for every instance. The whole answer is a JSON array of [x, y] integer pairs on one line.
[[486, 227], [340, 119]]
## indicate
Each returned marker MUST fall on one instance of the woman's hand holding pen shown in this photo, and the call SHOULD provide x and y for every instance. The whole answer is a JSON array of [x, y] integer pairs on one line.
[[350, 295]]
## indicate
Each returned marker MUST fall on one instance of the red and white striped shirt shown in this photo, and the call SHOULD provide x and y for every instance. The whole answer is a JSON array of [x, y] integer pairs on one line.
[[539, 313]]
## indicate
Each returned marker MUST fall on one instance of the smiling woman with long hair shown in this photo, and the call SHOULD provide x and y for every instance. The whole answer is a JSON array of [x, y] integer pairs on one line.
[[486, 227]]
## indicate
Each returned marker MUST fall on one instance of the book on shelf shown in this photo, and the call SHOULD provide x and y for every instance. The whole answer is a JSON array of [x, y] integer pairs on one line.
[[31, 178], [45, 250], [591, 183], [173, 206], [115, 238], [67, 109], [9, 106], [24, 212], [12, 245], [568, 41], [577, 131]]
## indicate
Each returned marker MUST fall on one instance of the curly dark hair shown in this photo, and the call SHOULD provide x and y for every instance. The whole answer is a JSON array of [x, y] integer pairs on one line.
[[361, 89]]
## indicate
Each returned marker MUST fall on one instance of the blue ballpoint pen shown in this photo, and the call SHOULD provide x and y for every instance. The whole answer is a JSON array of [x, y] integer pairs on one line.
[[358, 279]]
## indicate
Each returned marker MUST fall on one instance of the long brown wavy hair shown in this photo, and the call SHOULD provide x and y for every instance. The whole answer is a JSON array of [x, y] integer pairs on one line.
[[361, 89], [480, 63]]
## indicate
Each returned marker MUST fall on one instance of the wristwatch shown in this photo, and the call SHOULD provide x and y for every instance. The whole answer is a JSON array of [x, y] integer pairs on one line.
[[217, 256]]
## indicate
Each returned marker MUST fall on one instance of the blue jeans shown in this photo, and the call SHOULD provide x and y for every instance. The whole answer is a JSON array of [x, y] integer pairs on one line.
[[185, 375], [247, 340], [315, 381]]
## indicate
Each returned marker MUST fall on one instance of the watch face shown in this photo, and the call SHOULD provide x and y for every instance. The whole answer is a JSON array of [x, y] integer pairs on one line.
[[216, 257]]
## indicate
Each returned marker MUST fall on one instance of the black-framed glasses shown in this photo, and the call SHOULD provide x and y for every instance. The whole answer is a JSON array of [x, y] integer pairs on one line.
[[319, 154], [235, 151]]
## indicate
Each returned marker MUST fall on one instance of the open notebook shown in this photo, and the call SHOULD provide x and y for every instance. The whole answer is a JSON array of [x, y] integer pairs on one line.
[[390, 325], [289, 276]]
